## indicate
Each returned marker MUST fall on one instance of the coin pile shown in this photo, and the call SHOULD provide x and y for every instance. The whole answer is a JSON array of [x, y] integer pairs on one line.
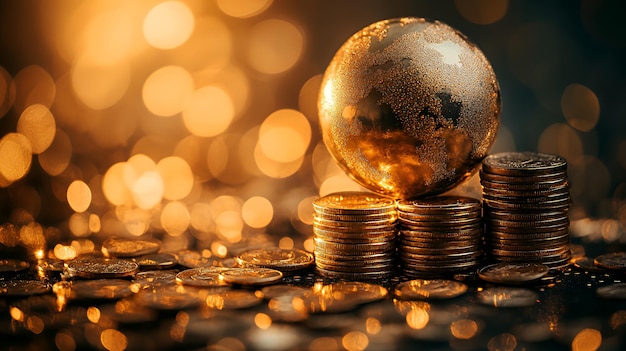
[[439, 235], [354, 234], [526, 201]]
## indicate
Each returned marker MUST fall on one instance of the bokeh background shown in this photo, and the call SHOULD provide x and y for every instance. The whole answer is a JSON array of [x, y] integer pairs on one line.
[[195, 120]]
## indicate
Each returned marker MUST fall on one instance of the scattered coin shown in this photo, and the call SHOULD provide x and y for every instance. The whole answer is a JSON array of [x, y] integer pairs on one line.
[[121, 247], [156, 261], [284, 260], [613, 291], [418, 289], [507, 297], [614, 261], [353, 203], [150, 279], [585, 264], [23, 287], [513, 273], [13, 266], [251, 276], [101, 268], [202, 277], [100, 289]]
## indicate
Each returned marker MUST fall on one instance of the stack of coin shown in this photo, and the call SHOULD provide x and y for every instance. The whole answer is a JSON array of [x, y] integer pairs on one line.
[[354, 234], [526, 201], [440, 235]]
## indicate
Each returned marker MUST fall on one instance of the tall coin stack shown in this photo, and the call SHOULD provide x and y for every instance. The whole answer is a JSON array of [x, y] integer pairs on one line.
[[440, 235], [526, 201], [354, 234]]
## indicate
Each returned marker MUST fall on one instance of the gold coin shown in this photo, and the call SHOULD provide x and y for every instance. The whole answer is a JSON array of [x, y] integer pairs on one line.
[[251, 276], [13, 265], [23, 287], [353, 203], [104, 268], [513, 273], [120, 247], [280, 259], [100, 289], [202, 277]]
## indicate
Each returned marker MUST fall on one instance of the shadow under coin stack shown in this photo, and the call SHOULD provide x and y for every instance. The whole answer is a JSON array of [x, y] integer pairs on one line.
[[440, 235], [354, 234], [526, 201]]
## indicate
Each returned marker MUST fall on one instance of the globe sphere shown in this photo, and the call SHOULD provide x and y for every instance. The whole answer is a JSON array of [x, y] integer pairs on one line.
[[409, 107]]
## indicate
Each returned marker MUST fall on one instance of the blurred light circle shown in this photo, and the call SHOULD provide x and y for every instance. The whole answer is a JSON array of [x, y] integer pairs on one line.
[[79, 196], [257, 212], [243, 8], [175, 218], [580, 107], [285, 135], [168, 25], [100, 86], [274, 46], [177, 177], [482, 11], [208, 112], [166, 90], [561, 139], [33, 85], [37, 124], [15, 158]]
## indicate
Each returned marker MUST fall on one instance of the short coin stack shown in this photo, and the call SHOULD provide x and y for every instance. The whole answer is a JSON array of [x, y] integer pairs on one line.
[[440, 235], [354, 235], [526, 201]]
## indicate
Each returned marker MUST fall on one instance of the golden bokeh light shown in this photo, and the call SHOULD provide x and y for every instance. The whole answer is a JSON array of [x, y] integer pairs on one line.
[[355, 341], [274, 46], [200, 217], [208, 111], [113, 340], [233, 80], [64, 252], [464, 328], [307, 99], [33, 85], [110, 35], [37, 124], [177, 177], [262, 320], [15, 158], [285, 135], [482, 11], [372, 326], [286, 243], [580, 106], [257, 212], [587, 340], [175, 218], [275, 169], [168, 25], [113, 185], [166, 90], [64, 341], [99, 85], [79, 196], [55, 159], [339, 182], [209, 48], [78, 224], [561, 139], [217, 157], [417, 318], [502, 342], [243, 8]]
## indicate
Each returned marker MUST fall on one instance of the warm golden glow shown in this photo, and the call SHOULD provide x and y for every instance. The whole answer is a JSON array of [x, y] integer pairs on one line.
[[37, 124], [166, 90], [64, 252], [243, 8], [33, 85], [464, 328], [16, 314], [177, 177], [64, 341], [79, 196], [417, 318], [208, 112], [561, 139], [175, 218], [113, 340], [262, 321], [285, 135], [168, 25], [15, 158], [587, 340], [55, 159], [580, 107], [502, 342], [98, 85], [7, 92], [93, 314], [372, 326], [275, 169], [257, 212], [274, 46], [35, 324], [286, 243], [355, 341]]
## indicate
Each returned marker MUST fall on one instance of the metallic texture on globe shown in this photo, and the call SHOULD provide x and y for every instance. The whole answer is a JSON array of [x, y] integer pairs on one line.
[[409, 108]]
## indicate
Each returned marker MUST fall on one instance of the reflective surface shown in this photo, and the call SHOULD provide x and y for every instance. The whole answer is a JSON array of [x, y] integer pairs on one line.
[[409, 107]]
